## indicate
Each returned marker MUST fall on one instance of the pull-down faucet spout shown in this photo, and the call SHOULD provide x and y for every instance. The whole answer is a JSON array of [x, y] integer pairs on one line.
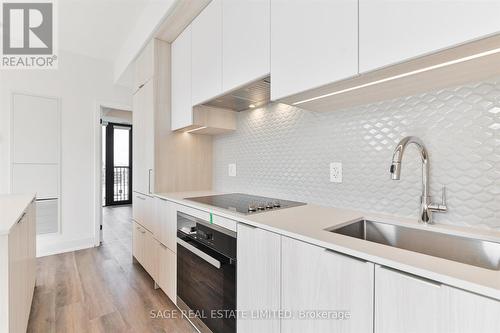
[[426, 207]]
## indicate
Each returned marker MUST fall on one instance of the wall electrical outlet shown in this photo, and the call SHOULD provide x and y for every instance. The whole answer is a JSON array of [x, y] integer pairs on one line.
[[231, 168], [336, 172]]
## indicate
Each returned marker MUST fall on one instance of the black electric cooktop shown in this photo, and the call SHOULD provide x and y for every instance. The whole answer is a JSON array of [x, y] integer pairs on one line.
[[245, 203]]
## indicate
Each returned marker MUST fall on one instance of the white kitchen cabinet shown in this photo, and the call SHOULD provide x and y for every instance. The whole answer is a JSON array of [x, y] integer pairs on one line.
[[413, 28], [245, 41], [313, 43], [406, 303], [150, 263], [468, 312], [167, 271], [144, 139], [138, 242], [144, 66], [166, 221], [155, 146], [316, 279], [206, 57], [144, 249], [143, 211], [258, 274], [182, 107]]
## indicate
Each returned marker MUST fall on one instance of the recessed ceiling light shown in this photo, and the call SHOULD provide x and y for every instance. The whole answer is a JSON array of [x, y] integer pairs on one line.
[[251, 106]]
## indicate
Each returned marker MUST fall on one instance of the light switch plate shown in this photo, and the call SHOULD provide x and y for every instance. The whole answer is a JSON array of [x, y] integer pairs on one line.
[[231, 168], [336, 172]]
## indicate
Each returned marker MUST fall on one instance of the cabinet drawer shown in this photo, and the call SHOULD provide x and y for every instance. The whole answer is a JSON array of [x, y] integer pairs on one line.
[[203, 215], [166, 223], [167, 271], [143, 211], [138, 242], [224, 222]]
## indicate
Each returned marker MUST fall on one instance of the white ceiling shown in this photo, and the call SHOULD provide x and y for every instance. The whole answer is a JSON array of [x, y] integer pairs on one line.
[[98, 28]]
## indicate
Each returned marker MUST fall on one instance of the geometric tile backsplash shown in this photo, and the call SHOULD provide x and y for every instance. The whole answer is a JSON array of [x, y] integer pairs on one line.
[[284, 151]]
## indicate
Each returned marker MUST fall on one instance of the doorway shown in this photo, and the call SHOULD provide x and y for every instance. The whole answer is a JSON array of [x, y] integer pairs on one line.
[[114, 133], [117, 164]]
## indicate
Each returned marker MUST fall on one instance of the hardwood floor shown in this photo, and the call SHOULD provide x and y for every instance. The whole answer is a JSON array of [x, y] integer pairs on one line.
[[100, 289]]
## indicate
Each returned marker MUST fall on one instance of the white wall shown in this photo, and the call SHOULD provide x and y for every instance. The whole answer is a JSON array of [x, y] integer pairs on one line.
[[80, 83]]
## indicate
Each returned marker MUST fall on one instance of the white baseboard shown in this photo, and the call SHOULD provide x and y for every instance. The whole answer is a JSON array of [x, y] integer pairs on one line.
[[46, 246]]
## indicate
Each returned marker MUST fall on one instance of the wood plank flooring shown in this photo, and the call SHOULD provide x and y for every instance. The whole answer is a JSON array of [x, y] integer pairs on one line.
[[100, 289]]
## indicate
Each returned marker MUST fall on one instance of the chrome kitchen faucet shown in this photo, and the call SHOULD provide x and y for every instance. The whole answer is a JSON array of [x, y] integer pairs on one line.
[[427, 207]]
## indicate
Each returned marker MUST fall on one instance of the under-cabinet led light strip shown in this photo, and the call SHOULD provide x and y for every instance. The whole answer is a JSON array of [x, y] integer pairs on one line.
[[196, 129], [418, 71]]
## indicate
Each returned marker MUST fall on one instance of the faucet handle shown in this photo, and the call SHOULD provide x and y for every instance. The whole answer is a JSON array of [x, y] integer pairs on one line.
[[442, 206], [443, 196]]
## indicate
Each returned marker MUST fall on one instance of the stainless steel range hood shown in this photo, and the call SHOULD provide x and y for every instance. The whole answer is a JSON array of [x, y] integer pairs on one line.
[[252, 95]]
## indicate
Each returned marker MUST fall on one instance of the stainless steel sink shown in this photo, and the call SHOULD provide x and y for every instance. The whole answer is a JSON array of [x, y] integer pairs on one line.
[[476, 252]]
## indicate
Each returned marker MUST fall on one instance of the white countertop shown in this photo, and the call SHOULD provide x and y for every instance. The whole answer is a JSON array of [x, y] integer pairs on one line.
[[12, 207], [307, 223]]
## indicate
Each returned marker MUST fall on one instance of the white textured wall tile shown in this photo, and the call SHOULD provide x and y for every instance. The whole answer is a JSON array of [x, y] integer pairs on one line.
[[283, 151]]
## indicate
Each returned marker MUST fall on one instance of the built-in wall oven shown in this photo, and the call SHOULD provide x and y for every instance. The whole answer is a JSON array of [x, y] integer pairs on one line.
[[206, 274]]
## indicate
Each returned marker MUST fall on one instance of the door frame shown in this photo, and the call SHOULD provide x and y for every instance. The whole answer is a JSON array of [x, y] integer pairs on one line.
[[109, 161], [99, 105]]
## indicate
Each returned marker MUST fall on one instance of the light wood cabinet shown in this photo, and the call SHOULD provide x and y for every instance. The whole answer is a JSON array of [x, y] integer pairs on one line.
[[313, 43], [468, 312], [18, 272], [182, 107], [144, 139], [143, 211], [245, 41], [258, 278], [166, 221], [167, 271], [156, 250], [138, 242], [414, 28], [150, 263], [144, 249], [206, 57], [406, 303], [160, 156], [144, 66], [315, 280]]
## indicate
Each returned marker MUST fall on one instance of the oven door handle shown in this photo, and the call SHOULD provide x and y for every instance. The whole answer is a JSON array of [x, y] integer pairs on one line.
[[212, 261]]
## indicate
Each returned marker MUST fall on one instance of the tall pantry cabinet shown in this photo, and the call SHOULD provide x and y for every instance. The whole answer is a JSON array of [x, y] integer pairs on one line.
[[162, 160]]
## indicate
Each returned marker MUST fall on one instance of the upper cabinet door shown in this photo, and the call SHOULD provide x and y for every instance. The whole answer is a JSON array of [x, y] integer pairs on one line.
[[393, 31], [245, 41], [144, 66], [313, 43], [182, 111], [207, 53]]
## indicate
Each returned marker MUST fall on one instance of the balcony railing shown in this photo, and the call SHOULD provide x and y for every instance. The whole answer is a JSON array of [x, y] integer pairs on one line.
[[121, 184]]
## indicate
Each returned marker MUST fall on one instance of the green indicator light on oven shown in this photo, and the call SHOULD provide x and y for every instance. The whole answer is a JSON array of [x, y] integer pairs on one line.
[[211, 219]]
